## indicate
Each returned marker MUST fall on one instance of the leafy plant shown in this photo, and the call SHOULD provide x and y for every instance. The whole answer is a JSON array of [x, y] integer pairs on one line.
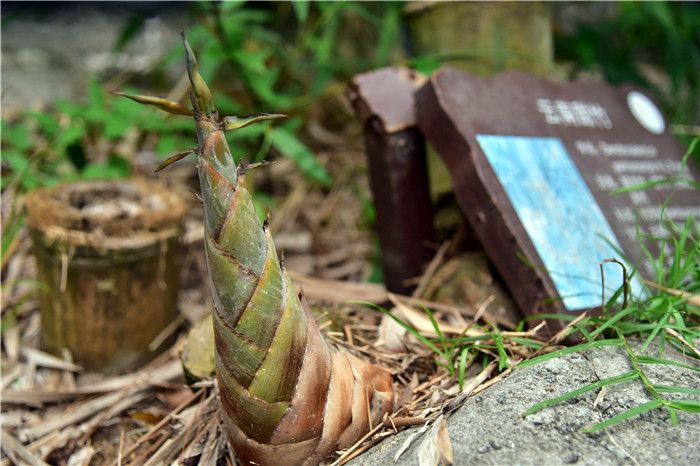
[[286, 56], [264, 55], [73, 141]]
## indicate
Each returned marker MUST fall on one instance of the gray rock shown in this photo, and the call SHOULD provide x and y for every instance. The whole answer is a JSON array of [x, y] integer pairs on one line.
[[488, 428]]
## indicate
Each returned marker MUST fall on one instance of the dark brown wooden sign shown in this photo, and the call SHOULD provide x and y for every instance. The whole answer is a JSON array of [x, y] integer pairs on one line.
[[534, 165]]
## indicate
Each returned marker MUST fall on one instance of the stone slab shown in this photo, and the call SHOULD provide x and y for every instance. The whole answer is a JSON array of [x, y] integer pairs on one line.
[[533, 166], [488, 428]]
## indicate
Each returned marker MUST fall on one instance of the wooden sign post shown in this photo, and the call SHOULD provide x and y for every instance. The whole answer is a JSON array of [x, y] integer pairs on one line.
[[534, 166]]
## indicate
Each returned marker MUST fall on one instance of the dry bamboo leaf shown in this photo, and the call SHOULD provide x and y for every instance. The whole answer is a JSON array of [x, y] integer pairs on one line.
[[18, 452], [68, 377], [213, 451], [11, 340], [51, 442], [10, 374], [409, 441], [391, 334], [483, 386], [158, 427], [145, 377], [62, 420], [339, 291], [481, 310], [168, 451], [42, 359], [114, 402], [430, 269], [692, 348], [421, 322], [408, 390], [343, 291], [561, 334], [82, 456], [693, 299], [105, 407], [197, 445], [436, 447]]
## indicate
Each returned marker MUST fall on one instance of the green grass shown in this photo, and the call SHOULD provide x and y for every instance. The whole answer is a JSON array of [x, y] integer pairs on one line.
[[457, 354]]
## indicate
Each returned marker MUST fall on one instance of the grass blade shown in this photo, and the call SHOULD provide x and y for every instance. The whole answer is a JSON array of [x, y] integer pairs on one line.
[[674, 389], [408, 328], [653, 360], [463, 364], [609, 381], [573, 349], [692, 406], [626, 415], [527, 342], [613, 319], [502, 355]]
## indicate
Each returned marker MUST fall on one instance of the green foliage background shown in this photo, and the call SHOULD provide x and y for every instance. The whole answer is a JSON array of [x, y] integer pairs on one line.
[[285, 56], [663, 35]]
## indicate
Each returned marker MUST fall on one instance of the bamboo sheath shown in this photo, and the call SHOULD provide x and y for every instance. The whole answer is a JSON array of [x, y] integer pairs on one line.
[[287, 395]]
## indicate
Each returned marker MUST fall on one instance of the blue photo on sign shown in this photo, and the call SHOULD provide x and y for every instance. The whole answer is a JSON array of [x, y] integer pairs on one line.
[[559, 213]]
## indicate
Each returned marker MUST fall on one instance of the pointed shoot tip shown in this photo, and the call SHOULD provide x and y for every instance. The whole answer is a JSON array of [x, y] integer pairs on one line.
[[199, 86]]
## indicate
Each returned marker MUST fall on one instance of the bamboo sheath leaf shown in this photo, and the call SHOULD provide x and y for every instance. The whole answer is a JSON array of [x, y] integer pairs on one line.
[[163, 104], [237, 121], [287, 395], [172, 159]]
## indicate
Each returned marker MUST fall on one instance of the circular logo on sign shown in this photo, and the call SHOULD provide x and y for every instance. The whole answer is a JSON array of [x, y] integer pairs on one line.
[[646, 113]]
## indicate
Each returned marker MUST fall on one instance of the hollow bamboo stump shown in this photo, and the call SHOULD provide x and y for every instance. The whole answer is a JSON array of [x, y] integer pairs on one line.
[[108, 255]]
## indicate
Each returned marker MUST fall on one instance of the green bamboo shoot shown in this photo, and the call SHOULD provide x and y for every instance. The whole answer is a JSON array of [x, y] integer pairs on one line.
[[287, 395]]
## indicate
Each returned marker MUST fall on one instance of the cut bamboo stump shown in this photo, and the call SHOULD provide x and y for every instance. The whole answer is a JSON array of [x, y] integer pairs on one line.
[[484, 38], [108, 255]]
